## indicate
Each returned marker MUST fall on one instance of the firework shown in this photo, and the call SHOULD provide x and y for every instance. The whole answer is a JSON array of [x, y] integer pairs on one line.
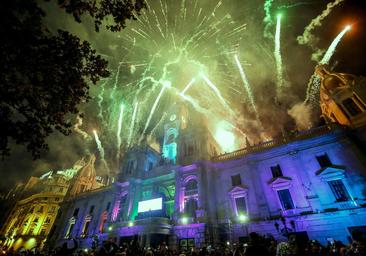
[[132, 125], [99, 144], [314, 82], [247, 86], [277, 54], [119, 138]]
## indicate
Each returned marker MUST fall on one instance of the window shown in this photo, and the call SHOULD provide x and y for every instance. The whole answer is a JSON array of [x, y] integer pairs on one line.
[[324, 161], [69, 230], [40, 210], [48, 220], [35, 220], [129, 166], [52, 209], [76, 211], [102, 224], [339, 190], [91, 210], [241, 205], [150, 166], [351, 107], [43, 232], [108, 206], [86, 228], [191, 185], [235, 180], [57, 199], [285, 198], [31, 231], [186, 244], [26, 222], [276, 171], [190, 208]]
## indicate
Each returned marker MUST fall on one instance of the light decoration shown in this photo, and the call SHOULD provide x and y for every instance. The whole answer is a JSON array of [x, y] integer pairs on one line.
[[243, 218], [184, 220]]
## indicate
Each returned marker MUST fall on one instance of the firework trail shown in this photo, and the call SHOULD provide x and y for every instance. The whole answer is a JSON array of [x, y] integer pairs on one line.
[[267, 18], [188, 85], [99, 144], [119, 129], [113, 91], [329, 53], [165, 84], [77, 129], [247, 87], [132, 125], [278, 57], [158, 123], [188, 43], [100, 100], [217, 92], [307, 38], [314, 82]]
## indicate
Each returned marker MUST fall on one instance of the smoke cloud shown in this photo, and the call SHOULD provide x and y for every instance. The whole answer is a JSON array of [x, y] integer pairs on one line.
[[302, 114], [308, 38]]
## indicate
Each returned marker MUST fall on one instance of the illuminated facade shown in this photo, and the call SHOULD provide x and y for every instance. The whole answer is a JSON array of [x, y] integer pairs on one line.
[[32, 218], [343, 98], [311, 183]]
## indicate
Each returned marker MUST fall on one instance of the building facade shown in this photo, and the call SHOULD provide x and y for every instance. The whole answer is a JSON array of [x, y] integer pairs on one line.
[[32, 217], [310, 183]]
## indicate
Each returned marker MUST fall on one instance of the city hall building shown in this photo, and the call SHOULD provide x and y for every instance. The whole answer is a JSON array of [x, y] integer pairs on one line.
[[310, 183]]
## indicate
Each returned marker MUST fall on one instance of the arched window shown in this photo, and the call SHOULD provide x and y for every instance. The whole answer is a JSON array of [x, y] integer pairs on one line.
[[190, 208], [191, 185], [190, 203]]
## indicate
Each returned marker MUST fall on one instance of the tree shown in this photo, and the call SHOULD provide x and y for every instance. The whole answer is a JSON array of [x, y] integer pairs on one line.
[[45, 76]]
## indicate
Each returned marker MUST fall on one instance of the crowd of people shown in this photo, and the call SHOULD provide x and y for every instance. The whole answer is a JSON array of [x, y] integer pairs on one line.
[[256, 246]]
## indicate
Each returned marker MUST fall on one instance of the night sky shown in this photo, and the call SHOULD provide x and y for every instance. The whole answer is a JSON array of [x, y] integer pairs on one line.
[[255, 50]]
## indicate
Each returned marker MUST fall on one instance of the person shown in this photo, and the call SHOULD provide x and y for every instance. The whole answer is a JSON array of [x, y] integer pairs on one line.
[[255, 246], [108, 248], [65, 251]]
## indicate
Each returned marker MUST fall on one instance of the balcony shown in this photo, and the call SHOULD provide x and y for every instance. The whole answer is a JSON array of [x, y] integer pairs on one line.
[[295, 136]]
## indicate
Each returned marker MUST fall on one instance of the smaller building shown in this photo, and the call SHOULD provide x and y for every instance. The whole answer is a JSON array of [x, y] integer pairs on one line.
[[32, 218]]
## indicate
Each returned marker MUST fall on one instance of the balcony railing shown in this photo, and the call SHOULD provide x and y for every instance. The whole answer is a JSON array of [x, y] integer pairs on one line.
[[279, 141]]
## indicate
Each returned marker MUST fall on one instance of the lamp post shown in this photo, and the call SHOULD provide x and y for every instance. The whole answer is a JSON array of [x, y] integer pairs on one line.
[[243, 219]]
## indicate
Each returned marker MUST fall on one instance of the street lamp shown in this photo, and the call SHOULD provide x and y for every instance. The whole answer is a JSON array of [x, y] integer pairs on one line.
[[184, 220], [243, 218]]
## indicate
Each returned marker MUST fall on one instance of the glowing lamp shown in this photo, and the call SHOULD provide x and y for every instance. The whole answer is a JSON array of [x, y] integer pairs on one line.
[[348, 27], [130, 223], [110, 228], [279, 16], [184, 220], [228, 243], [243, 218]]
